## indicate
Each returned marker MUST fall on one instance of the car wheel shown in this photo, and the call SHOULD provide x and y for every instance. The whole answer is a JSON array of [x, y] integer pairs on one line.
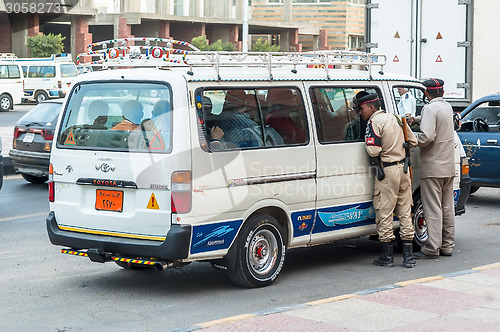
[[5, 103], [260, 252], [41, 96], [419, 224], [35, 179], [473, 190]]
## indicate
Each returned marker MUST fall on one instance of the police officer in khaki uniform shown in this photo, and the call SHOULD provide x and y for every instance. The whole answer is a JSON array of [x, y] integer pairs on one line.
[[437, 145], [385, 139]]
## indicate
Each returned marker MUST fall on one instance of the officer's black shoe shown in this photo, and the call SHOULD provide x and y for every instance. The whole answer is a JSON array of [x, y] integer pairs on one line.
[[408, 259], [421, 255], [386, 258]]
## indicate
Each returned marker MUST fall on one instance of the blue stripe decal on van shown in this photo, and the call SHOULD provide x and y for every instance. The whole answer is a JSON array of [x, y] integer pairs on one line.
[[346, 216], [456, 196], [214, 236]]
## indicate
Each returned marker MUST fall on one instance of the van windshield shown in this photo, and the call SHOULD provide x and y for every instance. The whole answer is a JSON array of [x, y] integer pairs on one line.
[[117, 116]]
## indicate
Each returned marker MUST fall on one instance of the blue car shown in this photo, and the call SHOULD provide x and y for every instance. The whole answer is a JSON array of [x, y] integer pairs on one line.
[[480, 135]]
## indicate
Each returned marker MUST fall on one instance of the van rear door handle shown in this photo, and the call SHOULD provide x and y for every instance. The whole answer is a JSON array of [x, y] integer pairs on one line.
[[492, 141]]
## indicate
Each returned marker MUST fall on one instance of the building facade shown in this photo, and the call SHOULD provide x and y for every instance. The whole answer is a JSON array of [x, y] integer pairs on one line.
[[85, 21], [341, 22]]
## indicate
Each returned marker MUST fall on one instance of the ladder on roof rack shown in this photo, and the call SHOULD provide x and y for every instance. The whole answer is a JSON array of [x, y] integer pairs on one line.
[[160, 52]]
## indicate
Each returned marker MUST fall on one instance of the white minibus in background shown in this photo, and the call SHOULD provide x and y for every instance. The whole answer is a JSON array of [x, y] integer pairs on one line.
[[11, 85], [46, 78]]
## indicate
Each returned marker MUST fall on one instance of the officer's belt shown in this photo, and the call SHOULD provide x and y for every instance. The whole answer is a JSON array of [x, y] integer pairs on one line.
[[392, 163]]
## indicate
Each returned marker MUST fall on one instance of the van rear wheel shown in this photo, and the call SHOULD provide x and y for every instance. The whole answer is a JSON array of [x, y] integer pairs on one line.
[[260, 252], [5, 103], [41, 96]]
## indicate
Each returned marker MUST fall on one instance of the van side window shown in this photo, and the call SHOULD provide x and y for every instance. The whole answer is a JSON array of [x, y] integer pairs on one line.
[[14, 72], [252, 118], [42, 72], [335, 114], [4, 72]]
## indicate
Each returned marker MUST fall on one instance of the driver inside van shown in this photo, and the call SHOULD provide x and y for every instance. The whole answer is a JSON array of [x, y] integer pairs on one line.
[[234, 124], [132, 116], [98, 113]]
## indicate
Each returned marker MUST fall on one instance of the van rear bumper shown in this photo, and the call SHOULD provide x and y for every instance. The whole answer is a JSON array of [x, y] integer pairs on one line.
[[175, 246]]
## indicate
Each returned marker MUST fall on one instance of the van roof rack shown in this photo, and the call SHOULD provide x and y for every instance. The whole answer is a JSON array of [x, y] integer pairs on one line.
[[160, 52]]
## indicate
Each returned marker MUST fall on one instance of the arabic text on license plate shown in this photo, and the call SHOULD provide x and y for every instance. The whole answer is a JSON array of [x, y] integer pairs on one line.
[[109, 200], [29, 138]]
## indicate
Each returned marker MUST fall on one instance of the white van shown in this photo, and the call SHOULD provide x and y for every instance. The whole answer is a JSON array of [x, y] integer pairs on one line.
[[46, 78], [227, 158], [11, 85]]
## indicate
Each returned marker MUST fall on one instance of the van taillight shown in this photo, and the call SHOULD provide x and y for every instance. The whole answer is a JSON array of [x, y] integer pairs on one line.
[[51, 183], [181, 192], [59, 84]]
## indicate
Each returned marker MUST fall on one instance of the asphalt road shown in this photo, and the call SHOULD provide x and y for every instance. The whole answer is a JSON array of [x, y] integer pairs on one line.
[[43, 290]]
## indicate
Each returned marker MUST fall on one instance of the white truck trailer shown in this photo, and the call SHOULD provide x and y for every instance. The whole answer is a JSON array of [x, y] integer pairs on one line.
[[455, 40]]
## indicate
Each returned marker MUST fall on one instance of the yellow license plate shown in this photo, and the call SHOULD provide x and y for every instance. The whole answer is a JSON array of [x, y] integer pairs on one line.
[[109, 200]]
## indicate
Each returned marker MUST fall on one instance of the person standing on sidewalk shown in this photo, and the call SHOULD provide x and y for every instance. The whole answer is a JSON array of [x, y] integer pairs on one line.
[[392, 192], [437, 146]]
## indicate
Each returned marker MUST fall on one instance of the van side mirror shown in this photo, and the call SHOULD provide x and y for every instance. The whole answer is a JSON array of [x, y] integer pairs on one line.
[[457, 121]]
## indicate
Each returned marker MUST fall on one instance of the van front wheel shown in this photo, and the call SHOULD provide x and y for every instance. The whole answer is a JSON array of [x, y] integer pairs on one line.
[[419, 224], [260, 252]]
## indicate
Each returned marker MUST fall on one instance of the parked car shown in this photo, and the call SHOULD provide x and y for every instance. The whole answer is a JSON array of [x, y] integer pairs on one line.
[[32, 142], [479, 134]]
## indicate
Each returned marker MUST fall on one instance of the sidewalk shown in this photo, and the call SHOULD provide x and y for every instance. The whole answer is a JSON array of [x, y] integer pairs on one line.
[[464, 301]]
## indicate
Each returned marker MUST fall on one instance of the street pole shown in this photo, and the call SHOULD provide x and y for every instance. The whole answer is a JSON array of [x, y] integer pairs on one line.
[[244, 34]]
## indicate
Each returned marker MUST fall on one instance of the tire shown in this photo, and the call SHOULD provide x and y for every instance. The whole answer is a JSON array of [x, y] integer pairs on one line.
[[419, 224], [473, 190], [35, 179], [260, 252], [41, 96], [5, 103]]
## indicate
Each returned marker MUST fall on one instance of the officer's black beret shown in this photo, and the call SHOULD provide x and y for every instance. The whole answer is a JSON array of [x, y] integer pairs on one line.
[[365, 97], [434, 83]]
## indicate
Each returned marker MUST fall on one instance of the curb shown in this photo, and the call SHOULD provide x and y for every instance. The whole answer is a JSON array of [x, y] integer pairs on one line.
[[242, 317]]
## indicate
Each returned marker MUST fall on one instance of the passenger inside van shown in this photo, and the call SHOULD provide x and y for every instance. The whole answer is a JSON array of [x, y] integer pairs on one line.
[[98, 113], [132, 116], [234, 125], [283, 103]]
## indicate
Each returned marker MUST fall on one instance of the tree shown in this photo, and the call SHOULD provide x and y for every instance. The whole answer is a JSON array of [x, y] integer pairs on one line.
[[263, 46], [201, 42], [42, 46]]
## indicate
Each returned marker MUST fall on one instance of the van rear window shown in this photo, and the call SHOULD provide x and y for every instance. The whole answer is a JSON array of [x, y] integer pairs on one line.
[[117, 116], [69, 70]]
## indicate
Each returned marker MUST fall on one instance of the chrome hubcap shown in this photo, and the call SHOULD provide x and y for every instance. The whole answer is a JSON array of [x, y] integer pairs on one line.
[[262, 252]]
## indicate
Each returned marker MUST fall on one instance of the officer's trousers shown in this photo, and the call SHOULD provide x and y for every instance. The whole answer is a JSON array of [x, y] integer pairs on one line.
[[439, 214], [393, 194]]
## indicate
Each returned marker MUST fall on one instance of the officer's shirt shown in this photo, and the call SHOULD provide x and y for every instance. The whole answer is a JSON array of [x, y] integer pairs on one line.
[[384, 137]]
